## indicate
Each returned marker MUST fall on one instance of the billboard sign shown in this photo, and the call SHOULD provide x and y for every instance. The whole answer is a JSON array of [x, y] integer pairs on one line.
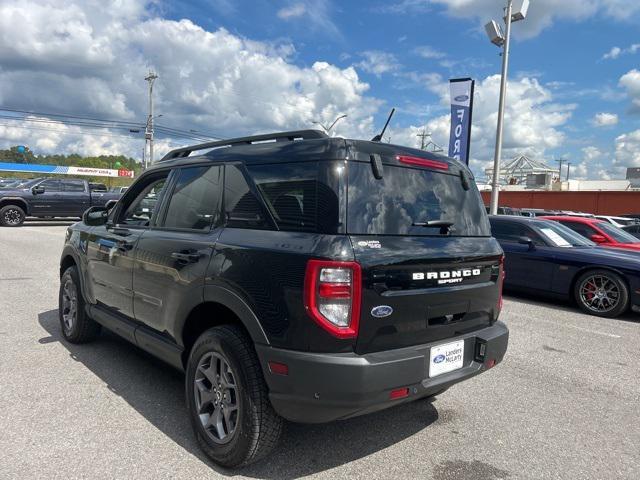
[[59, 170]]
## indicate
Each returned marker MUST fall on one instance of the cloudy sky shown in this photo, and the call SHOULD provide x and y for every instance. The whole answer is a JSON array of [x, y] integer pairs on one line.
[[231, 68]]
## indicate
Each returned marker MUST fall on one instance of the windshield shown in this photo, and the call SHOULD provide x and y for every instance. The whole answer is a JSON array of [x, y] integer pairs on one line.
[[21, 183], [617, 234], [558, 235], [405, 199]]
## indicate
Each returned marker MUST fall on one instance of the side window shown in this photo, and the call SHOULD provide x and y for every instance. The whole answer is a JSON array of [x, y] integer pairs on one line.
[[511, 232], [241, 207], [73, 185], [293, 194], [144, 205], [580, 228], [195, 200], [51, 185]]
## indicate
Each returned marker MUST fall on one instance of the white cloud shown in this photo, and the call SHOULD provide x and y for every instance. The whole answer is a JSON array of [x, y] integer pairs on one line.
[[630, 81], [378, 62], [292, 11], [542, 13], [425, 51], [613, 53], [628, 150], [91, 58], [605, 119], [616, 52]]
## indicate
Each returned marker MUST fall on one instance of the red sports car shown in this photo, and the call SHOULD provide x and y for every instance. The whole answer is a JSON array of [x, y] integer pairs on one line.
[[599, 231]]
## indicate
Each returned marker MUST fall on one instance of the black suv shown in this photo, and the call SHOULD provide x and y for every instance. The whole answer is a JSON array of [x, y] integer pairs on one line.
[[292, 276]]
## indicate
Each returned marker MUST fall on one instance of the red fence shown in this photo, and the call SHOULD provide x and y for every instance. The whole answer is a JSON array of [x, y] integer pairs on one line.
[[599, 203]]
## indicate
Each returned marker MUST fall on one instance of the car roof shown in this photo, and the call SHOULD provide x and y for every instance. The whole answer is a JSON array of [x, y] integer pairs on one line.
[[516, 219], [570, 218], [288, 147]]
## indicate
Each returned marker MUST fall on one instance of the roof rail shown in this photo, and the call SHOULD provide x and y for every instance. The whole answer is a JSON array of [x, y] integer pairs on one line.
[[278, 137]]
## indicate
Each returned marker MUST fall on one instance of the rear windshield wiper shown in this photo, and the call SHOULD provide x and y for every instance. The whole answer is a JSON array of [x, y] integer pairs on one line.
[[444, 225]]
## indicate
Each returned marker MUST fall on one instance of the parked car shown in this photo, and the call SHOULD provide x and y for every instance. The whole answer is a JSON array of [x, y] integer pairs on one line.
[[599, 231], [49, 197], [633, 230], [536, 212], [504, 210], [281, 278], [617, 221], [546, 258]]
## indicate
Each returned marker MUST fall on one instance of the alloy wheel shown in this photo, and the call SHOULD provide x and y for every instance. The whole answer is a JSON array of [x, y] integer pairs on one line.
[[12, 217], [599, 293], [216, 397], [69, 305]]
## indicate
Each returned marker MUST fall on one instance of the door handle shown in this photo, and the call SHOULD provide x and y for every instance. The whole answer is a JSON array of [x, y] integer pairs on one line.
[[186, 257], [123, 232]]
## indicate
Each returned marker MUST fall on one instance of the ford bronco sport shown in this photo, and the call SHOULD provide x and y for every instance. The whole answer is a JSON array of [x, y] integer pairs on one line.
[[292, 276]]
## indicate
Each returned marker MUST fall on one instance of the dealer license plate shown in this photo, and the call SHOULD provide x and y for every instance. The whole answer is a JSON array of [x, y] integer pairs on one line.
[[446, 358]]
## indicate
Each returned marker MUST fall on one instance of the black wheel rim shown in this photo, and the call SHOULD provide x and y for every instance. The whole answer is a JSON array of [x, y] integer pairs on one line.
[[216, 396], [12, 216], [599, 293], [69, 305]]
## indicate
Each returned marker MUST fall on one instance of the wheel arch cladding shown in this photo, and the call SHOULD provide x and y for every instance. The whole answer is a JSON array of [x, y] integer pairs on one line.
[[203, 317], [66, 262], [18, 202]]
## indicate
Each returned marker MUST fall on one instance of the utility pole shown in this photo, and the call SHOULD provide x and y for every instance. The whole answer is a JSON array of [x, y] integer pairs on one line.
[[422, 136], [495, 184], [568, 170], [148, 134], [560, 161]]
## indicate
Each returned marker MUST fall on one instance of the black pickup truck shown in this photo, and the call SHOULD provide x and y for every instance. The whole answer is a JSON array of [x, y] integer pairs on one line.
[[50, 197]]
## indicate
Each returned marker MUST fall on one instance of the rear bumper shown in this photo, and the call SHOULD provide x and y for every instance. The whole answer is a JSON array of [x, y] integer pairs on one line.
[[323, 387]]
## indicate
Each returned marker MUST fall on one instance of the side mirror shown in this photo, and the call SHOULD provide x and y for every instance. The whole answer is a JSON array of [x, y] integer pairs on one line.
[[37, 190], [526, 241], [95, 216], [598, 238]]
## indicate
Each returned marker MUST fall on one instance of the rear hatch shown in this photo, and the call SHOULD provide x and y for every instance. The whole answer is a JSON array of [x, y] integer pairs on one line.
[[430, 268]]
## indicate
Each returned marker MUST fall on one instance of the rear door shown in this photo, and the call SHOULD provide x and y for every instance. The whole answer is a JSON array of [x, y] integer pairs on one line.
[[74, 196], [440, 280]]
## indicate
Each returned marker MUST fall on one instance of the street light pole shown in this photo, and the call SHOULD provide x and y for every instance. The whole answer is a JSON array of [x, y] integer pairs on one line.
[[149, 130], [495, 186]]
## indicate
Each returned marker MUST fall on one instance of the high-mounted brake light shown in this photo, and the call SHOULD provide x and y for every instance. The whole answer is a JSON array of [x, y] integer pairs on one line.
[[332, 292], [422, 162]]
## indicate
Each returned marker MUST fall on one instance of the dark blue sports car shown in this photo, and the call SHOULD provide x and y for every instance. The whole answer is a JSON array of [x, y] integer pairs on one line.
[[545, 257]]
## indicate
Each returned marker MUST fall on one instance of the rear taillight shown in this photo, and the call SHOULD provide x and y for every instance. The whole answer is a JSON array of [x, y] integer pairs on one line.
[[332, 292]]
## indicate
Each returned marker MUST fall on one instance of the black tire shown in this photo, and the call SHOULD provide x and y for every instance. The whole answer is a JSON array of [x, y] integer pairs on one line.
[[76, 325], [602, 293], [257, 427], [11, 216]]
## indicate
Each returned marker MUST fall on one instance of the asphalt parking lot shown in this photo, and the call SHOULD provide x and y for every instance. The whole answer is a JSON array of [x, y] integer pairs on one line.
[[564, 404]]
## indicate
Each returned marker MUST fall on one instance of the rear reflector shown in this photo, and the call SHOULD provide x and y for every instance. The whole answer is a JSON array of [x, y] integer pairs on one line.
[[491, 363], [422, 162], [278, 368], [399, 393]]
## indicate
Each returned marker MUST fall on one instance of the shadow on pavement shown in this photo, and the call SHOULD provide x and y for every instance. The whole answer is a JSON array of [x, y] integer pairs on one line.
[[156, 391]]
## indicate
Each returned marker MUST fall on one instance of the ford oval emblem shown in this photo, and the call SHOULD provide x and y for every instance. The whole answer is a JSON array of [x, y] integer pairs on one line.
[[438, 358], [381, 311], [461, 98]]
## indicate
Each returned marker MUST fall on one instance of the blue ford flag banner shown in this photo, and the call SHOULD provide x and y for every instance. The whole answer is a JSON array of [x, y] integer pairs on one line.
[[461, 113]]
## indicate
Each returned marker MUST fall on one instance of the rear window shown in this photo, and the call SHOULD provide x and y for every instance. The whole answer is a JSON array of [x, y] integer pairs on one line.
[[406, 196]]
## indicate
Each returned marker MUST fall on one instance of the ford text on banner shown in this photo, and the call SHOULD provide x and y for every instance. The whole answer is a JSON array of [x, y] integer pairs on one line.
[[461, 112]]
